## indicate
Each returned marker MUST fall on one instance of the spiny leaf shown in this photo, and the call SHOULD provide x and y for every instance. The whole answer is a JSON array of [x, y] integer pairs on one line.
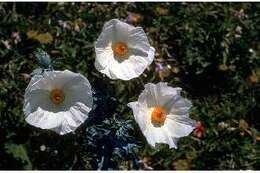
[[19, 152]]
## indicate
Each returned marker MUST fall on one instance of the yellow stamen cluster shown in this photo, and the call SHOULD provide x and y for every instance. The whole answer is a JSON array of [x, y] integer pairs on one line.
[[57, 96], [120, 49], [158, 115]]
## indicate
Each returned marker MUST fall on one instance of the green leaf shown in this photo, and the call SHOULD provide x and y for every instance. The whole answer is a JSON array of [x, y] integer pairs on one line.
[[19, 152]]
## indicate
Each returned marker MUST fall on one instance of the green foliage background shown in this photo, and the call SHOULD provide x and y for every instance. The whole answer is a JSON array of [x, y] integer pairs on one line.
[[211, 50]]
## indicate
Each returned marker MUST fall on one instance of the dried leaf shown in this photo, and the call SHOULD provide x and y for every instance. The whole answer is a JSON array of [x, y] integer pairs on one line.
[[43, 38], [181, 164], [162, 11], [32, 34], [243, 124]]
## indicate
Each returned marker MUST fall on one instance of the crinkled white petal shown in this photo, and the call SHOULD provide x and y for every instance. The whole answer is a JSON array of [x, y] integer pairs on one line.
[[35, 99], [179, 126], [41, 112], [140, 114], [45, 119], [149, 95], [53, 79], [74, 117], [140, 55], [159, 94], [121, 29], [78, 89], [179, 106], [159, 135], [138, 41], [34, 79], [129, 68]]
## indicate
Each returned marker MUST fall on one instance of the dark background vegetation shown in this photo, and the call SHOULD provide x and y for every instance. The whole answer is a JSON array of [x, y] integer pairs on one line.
[[211, 50]]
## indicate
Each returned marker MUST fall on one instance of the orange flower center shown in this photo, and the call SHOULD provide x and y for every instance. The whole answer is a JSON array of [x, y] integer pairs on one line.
[[57, 96], [158, 115], [120, 49]]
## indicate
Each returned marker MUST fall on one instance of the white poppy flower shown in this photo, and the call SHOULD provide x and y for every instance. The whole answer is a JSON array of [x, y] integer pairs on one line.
[[122, 51], [162, 114], [58, 100]]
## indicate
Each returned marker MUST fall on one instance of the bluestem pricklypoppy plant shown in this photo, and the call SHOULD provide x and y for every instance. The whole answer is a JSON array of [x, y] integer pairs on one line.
[[162, 114], [61, 100], [122, 51], [57, 100]]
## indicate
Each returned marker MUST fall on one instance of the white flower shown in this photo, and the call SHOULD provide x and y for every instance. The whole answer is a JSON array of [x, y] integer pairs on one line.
[[58, 100], [122, 51], [162, 114]]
